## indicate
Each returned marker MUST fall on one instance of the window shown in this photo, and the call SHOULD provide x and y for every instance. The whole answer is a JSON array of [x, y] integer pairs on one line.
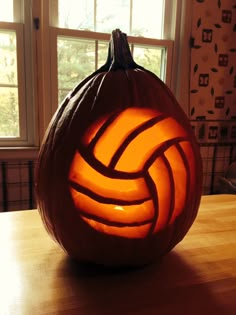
[[15, 112], [47, 47], [82, 36], [9, 87]]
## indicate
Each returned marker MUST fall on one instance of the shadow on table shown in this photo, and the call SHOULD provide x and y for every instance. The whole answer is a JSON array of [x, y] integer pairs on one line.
[[167, 287]]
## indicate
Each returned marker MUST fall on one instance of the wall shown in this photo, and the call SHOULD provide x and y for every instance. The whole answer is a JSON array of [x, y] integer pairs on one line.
[[212, 105]]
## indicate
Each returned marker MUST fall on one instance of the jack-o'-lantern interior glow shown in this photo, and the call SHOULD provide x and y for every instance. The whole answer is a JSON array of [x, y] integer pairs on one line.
[[119, 172]]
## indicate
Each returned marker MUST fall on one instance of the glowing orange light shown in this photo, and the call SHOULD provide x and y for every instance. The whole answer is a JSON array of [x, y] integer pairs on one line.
[[136, 178]]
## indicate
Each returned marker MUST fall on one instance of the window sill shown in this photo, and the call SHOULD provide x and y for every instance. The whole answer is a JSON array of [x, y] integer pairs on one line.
[[18, 153]]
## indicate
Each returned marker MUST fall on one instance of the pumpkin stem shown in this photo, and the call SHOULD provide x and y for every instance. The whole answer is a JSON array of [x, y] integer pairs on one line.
[[119, 54]]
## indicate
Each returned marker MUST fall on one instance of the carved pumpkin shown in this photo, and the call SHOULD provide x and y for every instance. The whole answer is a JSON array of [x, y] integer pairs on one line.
[[119, 171]]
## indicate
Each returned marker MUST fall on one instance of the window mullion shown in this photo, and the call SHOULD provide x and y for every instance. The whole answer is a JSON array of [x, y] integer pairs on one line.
[[95, 15], [18, 11], [54, 12], [131, 17], [132, 48], [96, 54], [170, 9], [42, 65]]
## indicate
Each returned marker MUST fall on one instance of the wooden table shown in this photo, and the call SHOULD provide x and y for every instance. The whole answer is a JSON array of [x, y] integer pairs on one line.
[[197, 277]]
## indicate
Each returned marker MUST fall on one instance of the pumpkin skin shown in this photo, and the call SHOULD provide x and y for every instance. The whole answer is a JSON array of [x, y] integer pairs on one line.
[[119, 171]]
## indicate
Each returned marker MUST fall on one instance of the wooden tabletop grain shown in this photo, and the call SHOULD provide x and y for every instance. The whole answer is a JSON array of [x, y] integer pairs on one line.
[[197, 277]]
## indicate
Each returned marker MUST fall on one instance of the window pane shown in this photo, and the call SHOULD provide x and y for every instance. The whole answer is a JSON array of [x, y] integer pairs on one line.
[[9, 109], [76, 60], [149, 58], [9, 104], [76, 14], [102, 53], [112, 14], [8, 59], [147, 18], [134, 17], [6, 11]]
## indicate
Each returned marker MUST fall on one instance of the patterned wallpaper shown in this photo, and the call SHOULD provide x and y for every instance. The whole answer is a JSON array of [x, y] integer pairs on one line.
[[213, 71]]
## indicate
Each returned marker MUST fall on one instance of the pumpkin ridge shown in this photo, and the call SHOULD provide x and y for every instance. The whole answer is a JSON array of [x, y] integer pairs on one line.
[[101, 83], [194, 205], [139, 92], [92, 84], [185, 163], [67, 112]]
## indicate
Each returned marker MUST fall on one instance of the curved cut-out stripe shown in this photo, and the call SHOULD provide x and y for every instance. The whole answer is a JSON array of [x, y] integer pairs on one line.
[[97, 165], [85, 175], [171, 187], [153, 191], [185, 194], [106, 199], [141, 148], [177, 161], [140, 231], [115, 223], [188, 211], [159, 151], [114, 132], [161, 174], [113, 214]]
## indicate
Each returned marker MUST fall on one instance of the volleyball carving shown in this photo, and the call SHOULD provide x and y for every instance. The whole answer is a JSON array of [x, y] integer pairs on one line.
[[119, 171], [141, 182]]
